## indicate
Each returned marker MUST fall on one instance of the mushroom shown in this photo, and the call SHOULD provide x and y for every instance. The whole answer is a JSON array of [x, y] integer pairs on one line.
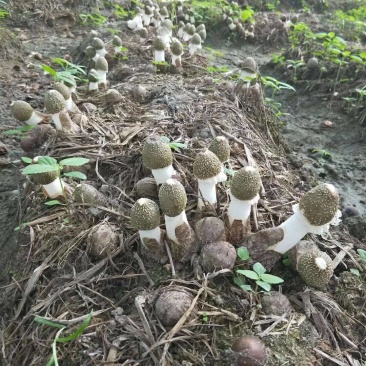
[[91, 53], [98, 45], [195, 44], [24, 112], [147, 15], [248, 69], [177, 51], [56, 105], [157, 156], [93, 78], [65, 92], [189, 31], [209, 229], [316, 210], [159, 49], [313, 63], [146, 187], [315, 268], [51, 183], [249, 32], [164, 13], [117, 44], [144, 34], [164, 33], [136, 23], [179, 6], [173, 200], [244, 192], [155, 20], [86, 194], [221, 148], [208, 169], [101, 67], [191, 16], [202, 34], [231, 24], [168, 24], [180, 29], [145, 217]]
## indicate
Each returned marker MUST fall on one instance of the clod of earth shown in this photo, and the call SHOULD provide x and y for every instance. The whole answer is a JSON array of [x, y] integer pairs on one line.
[[102, 240], [250, 350], [217, 255], [210, 229]]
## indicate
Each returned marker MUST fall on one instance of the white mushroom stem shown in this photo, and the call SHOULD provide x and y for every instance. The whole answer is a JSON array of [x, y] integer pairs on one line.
[[186, 36], [146, 19], [136, 23], [171, 223], [175, 58], [71, 106], [56, 120], [297, 226], [163, 174], [35, 118], [72, 89], [142, 40], [191, 19], [193, 48], [232, 26], [102, 76], [95, 58], [54, 189], [150, 234], [240, 210], [117, 49], [207, 189], [159, 56], [180, 32], [156, 22], [93, 86], [102, 52]]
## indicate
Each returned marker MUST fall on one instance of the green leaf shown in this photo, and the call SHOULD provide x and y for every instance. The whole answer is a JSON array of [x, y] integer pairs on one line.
[[250, 274], [44, 321], [38, 168], [49, 70], [273, 280], [165, 139], [74, 161], [362, 254], [243, 253], [79, 331], [239, 280], [356, 59], [286, 262], [26, 160], [178, 145], [258, 268], [78, 175], [229, 172], [246, 287], [265, 286], [54, 203], [355, 271], [46, 160], [12, 132]]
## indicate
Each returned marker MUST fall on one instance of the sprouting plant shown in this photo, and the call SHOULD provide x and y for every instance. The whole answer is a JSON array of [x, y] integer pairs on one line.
[[95, 19], [322, 154], [205, 317], [174, 144], [120, 12], [247, 15], [362, 254], [278, 59], [69, 71], [295, 64], [275, 84], [3, 13], [20, 131], [261, 278], [361, 94], [58, 339]]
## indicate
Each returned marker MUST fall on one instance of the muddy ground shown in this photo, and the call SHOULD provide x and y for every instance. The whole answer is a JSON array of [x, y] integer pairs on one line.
[[326, 328]]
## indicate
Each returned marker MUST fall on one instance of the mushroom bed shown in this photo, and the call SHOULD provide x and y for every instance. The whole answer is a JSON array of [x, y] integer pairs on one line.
[[165, 253]]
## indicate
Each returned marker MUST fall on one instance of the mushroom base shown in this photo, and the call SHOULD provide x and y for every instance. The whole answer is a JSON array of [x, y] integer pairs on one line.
[[159, 56], [163, 174], [239, 230], [35, 118], [54, 189]]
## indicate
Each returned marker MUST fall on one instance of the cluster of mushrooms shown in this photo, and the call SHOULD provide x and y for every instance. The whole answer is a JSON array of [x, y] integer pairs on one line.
[[213, 238]]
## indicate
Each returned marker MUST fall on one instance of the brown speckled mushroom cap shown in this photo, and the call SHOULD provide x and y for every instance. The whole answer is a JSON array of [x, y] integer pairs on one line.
[[63, 90], [315, 268], [102, 240], [85, 193], [117, 42], [159, 44], [93, 76], [97, 43], [246, 183], [90, 51], [101, 64], [144, 33], [176, 47], [172, 198], [320, 204], [20, 110], [54, 102], [191, 30], [249, 65], [164, 11], [196, 39], [167, 23], [44, 178], [207, 165], [145, 214], [200, 27], [156, 154], [221, 148]]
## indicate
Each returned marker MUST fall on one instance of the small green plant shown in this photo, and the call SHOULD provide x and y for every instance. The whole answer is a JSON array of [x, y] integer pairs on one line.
[[362, 254], [278, 59], [247, 15], [261, 278], [275, 85], [295, 64], [322, 154], [355, 271], [95, 19], [174, 145], [361, 94], [3, 13], [20, 131], [58, 339], [120, 12], [205, 317]]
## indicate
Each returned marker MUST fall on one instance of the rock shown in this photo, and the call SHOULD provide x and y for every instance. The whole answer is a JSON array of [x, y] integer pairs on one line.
[[275, 303]]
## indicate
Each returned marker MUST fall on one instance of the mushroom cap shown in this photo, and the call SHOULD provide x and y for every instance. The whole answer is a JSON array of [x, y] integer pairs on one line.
[[62, 89], [315, 268], [117, 41], [202, 34], [251, 351], [176, 47], [156, 154], [229, 20], [147, 187], [101, 64], [167, 23], [191, 30], [172, 198], [97, 43], [54, 102], [145, 214], [164, 11], [221, 148], [207, 165], [148, 10], [144, 33], [250, 65], [200, 27], [196, 39], [210, 229], [186, 27], [90, 51], [138, 10], [320, 204], [102, 240], [217, 255], [20, 110], [171, 305], [246, 183], [181, 24], [93, 76], [159, 44], [44, 178], [313, 63], [85, 193]]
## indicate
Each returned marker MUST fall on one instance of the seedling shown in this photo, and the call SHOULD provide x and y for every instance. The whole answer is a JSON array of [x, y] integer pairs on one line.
[[174, 145], [322, 154], [58, 339], [362, 254], [20, 131], [95, 19], [261, 278]]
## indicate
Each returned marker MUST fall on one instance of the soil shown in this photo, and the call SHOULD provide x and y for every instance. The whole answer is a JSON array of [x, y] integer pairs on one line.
[[45, 267]]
